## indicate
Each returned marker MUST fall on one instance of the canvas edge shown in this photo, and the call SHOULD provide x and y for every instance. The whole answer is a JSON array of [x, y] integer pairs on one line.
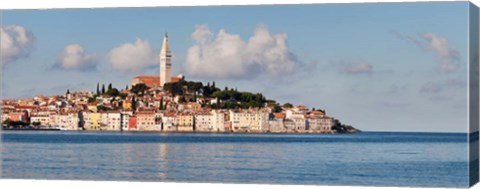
[[473, 93]]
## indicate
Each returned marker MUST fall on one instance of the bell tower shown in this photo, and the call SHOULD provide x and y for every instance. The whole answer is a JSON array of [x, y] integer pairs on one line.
[[165, 62]]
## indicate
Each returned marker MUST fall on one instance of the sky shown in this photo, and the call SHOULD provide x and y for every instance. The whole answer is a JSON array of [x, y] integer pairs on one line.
[[375, 66]]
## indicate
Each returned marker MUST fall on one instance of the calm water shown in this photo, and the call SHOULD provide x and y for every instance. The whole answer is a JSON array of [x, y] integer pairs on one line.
[[381, 159]]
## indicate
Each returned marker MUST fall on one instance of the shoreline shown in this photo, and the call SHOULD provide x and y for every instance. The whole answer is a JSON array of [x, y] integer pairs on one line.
[[147, 131]]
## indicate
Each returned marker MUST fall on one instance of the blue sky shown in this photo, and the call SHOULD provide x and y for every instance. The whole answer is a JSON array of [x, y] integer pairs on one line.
[[383, 67]]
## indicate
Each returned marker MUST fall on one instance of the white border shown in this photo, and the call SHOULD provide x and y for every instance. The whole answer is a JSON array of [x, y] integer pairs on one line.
[[49, 4]]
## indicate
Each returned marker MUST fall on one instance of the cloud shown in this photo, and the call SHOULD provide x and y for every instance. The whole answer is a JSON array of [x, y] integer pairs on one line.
[[437, 87], [17, 42], [226, 55], [202, 34], [74, 57], [352, 67], [449, 58], [431, 87], [396, 89], [133, 57]]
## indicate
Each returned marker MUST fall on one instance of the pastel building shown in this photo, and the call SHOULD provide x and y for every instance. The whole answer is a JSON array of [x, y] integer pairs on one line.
[[185, 122], [169, 121], [146, 121], [204, 121], [249, 120]]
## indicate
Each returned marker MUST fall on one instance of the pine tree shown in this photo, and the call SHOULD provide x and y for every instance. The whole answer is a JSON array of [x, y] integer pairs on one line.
[[98, 89], [134, 104], [103, 88], [161, 103], [109, 86]]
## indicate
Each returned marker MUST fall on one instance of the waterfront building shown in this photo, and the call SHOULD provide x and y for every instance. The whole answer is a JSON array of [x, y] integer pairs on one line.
[[169, 121], [249, 120], [42, 119], [276, 123], [132, 123], [60, 121], [73, 120], [19, 116], [125, 118], [92, 120], [204, 121], [219, 119], [111, 121], [320, 124], [4, 116], [146, 121], [185, 122]]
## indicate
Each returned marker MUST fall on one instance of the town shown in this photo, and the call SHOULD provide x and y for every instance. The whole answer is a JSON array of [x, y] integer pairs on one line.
[[165, 103]]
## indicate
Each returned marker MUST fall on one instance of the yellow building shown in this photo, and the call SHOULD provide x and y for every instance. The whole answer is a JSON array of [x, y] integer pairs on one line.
[[95, 119], [127, 105], [185, 122]]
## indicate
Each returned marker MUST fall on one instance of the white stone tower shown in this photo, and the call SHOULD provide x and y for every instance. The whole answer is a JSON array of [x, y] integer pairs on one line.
[[165, 62]]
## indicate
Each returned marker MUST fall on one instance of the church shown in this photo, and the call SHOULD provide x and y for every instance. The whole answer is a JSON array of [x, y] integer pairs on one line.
[[165, 70]]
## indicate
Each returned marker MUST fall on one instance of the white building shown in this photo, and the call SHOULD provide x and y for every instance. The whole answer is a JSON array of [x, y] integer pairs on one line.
[[42, 119], [125, 119], [111, 121], [169, 121], [320, 124], [204, 121], [218, 120], [249, 120]]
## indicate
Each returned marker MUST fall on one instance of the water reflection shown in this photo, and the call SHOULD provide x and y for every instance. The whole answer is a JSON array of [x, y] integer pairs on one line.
[[248, 161]]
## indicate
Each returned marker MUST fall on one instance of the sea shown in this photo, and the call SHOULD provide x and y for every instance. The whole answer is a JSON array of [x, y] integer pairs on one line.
[[359, 159]]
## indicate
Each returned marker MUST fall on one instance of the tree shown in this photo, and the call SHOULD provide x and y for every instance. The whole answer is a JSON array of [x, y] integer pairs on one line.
[[92, 99], [103, 89], [68, 91], [98, 88], [36, 123], [134, 103], [277, 108], [101, 108], [109, 87], [139, 88], [123, 95], [288, 105], [113, 92], [161, 103]]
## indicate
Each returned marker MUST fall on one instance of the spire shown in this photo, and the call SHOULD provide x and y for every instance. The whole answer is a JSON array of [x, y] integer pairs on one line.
[[165, 46]]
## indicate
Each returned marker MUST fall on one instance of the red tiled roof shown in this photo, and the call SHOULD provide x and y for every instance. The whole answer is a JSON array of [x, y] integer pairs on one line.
[[154, 81], [279, 115]]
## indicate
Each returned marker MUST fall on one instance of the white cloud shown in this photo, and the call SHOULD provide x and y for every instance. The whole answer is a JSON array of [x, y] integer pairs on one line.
[[16, 42], [74, 57], [132, 57], [202, 34], [352, 67], [449, 58], [227, 55], [357, 68]]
